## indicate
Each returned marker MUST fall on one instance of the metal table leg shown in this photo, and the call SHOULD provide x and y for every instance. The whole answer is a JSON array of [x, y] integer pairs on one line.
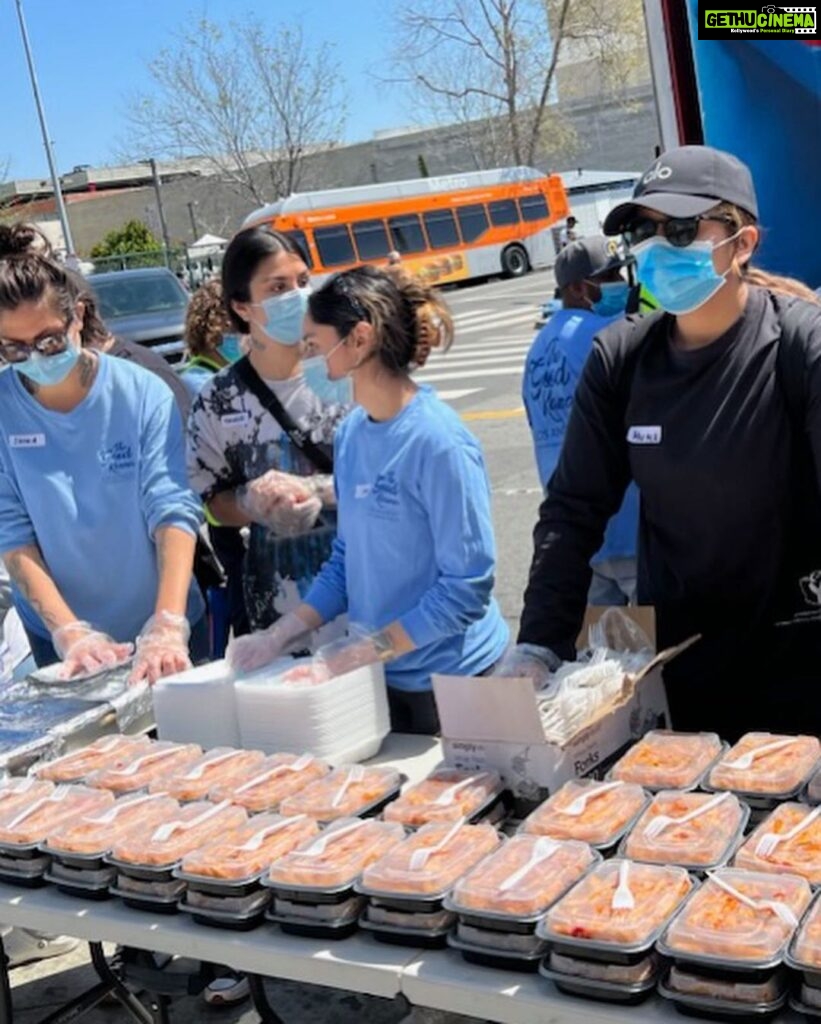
[[6, 1008], [260, 1000], [127, 999]]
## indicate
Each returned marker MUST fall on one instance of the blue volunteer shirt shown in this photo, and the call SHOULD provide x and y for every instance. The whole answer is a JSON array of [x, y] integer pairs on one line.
[[554, 365], [90, 487], [415, 541]]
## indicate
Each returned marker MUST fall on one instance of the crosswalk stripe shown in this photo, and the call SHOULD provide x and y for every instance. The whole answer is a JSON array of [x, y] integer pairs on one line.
[[453, 395], [493, 371], [453, 362], [472, 314], [492, 345], [497, 323]]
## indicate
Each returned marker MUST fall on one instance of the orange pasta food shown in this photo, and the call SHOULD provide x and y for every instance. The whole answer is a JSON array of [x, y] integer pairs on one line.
[[668, 760]]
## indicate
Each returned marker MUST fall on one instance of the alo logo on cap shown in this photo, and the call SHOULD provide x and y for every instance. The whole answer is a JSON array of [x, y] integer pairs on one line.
[[658, 173]]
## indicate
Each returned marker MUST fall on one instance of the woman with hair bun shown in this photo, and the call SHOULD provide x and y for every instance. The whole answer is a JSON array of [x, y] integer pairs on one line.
[[413, 563], [97, 523]]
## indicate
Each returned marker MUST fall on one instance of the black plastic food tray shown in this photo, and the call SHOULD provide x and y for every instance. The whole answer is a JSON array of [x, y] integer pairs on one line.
[[418, 939], [314, 929], [601, 991], [488, 958], [721, 1009], [216, 919]]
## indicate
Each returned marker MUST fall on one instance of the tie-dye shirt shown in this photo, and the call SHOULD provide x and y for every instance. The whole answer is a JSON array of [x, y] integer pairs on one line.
[[232, 439]]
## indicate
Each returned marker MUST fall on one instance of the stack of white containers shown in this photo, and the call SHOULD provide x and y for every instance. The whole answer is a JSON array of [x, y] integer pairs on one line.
[[345, 719]]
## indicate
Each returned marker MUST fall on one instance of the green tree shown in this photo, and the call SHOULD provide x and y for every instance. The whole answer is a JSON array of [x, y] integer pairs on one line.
[[132, 237]]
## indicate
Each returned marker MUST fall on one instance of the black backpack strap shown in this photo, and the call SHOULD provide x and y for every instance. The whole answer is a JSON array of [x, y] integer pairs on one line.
[[320, 456], [798, 318]]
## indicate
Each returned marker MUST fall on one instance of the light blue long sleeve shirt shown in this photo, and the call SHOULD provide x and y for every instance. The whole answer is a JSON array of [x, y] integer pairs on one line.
[[552, 370], [90, 487], [415, 541]]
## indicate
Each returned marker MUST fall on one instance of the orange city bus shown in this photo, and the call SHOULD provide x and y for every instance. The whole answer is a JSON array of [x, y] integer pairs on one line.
[[446, 229]]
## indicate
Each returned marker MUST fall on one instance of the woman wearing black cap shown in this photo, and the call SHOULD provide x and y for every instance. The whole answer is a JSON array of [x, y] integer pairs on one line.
[[713, 407]]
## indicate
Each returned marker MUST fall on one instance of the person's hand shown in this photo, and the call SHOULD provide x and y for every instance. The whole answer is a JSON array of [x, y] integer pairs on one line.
[[162, 648], [357, 650], [246, 653], [289, 505], [528, 661], [85, 650]]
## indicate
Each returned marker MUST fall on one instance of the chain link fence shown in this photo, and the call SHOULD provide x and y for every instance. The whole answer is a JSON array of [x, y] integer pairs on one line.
[[192, 270]]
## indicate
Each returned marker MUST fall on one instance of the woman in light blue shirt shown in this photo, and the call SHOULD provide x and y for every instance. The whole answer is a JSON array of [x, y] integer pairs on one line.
[[414, 559], [97, 522]]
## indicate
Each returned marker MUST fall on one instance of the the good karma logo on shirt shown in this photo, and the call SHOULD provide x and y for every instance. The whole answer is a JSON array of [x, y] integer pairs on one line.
[[118, 460]]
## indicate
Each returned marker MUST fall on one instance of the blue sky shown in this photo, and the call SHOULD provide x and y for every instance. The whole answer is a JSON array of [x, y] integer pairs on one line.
[[90, 56]]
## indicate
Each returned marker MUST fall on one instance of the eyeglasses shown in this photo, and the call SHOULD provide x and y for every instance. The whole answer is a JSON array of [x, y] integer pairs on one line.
[[18, 352], [679, 231]]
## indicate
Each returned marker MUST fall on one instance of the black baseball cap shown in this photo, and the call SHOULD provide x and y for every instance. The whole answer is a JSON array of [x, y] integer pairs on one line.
[[585, 258], [685, 182]]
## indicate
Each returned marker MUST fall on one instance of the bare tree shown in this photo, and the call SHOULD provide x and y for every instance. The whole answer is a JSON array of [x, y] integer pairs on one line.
[[5, 167], [249, 101], [490, 66]]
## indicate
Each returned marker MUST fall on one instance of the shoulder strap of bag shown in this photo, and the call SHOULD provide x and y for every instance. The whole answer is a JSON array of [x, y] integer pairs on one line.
[[269, 401], [797, 318]]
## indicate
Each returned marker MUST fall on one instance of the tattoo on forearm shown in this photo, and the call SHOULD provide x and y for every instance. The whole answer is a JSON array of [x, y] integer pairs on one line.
[[15, 563]]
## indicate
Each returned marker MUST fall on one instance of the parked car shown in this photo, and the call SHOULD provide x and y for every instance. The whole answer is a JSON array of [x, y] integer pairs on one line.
[[146, 306]]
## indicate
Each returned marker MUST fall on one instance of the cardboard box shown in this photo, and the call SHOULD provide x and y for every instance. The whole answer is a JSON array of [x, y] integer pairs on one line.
[[494, 722]]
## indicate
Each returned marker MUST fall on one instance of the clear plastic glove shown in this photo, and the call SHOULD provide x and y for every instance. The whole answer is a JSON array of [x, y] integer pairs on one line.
[[162, 648], [85, 650], [284, 503], [528, 661], [356, 650], [246, 653]]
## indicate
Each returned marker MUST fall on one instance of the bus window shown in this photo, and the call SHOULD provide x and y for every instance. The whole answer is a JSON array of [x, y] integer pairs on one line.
[[441, 228], [534, 207], [371, 239], [302, 242], [334, 245], [503, 212], [473, 222], [407, 234]]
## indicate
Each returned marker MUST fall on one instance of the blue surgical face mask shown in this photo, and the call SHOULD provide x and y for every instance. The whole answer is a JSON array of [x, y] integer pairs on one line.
[[681, 278], [284, 315], [330, 392], [230, 348], [613, 301], [49, 370]]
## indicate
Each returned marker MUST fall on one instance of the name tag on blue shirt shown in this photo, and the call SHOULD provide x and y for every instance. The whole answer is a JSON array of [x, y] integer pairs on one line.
[[27, 440], [644, 435]]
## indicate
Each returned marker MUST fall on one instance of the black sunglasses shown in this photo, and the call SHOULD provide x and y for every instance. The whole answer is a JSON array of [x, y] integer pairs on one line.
[[18, 352], [679, 231]]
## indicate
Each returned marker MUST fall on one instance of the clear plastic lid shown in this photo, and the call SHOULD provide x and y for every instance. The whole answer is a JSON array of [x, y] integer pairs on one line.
[[106, 752], [159, 761], [767, 764], [338, 857], [523, 877], [431, 860], [814, 788], [186, 829], [586, 809], [447, 794], [692, 829], [347, 790], [40, 816], [806, 949], [587, 913], [219, 766], [664, 759], [719, 924], [266, 785], [16, 794], [249, 848], [770, 847], [97, 833]]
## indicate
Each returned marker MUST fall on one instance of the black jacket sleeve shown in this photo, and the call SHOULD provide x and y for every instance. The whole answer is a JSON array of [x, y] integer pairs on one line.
[[586, 489]]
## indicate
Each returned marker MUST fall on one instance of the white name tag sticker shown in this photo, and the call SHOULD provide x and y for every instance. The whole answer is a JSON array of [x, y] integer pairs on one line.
[[27, 441], [363, 490], [235, 419], [644, 435]]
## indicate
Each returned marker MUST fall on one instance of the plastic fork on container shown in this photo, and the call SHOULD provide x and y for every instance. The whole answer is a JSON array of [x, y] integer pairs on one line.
[[355, 774], [767, 844], [746, 761], [623, 898], [447, 795], [542, 849], [134, 767], [577, 806], [660, 822], [164, 832], [259, 838], [299, 765], [318, 847], [781, 910], [199, 771], [419, 858]]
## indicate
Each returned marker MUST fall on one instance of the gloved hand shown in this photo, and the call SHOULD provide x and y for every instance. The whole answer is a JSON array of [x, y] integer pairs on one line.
[[162, 648], [284, 503], [246, 653], [356, 650], [85, 650], [528, 661]]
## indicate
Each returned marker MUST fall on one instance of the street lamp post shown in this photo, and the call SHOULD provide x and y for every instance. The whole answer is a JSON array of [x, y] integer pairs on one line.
[[55, 180], [152, 163], [191, 204]]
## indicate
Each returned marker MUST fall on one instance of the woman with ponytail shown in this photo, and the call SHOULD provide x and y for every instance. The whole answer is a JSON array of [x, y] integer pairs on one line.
[[97, 523], [414, 559]]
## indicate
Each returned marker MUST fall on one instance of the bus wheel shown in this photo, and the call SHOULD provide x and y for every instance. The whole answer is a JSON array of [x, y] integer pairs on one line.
[[514, 261]]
